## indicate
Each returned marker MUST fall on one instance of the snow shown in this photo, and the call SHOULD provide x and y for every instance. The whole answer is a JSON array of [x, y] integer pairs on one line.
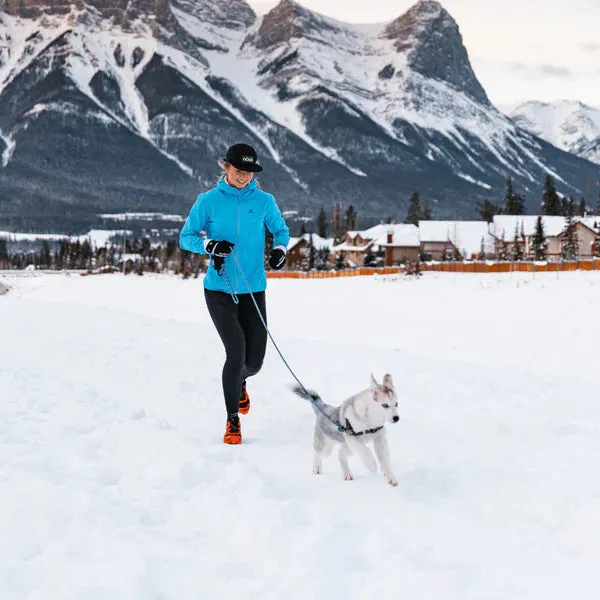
[[567, 124], [115, 483], [142, 216], [465, 235], [403, 234], [503, 226], [8, 150], [484, 185], [319, 242], [96, 237]]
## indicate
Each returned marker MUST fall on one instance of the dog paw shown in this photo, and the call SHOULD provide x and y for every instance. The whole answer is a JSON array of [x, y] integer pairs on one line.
[[348, 477], [391, 480], [317, 470]]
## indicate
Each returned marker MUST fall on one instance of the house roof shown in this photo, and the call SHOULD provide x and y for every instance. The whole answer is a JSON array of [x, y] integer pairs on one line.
[[318, 242], [503, 226], [466, 236], [404, 235]]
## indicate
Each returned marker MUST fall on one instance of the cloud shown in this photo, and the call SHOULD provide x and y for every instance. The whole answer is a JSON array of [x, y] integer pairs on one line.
[[554, 71], [539, 70], [590, 46]]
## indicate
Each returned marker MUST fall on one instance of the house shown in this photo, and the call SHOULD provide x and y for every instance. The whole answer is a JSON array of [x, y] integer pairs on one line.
[[298, 248], [504, 227], [354, 248], [449, 239], [3, 289], [588, 238], [399, 241]]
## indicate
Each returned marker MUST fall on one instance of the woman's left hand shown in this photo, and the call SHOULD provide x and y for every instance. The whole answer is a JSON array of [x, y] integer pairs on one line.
[[277, 258]]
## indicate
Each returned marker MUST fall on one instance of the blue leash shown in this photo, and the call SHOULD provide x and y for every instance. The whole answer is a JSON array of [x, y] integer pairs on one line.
[[236, 301]]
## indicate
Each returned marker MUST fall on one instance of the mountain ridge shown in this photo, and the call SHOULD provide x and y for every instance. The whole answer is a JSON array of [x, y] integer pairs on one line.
[[336, 111]]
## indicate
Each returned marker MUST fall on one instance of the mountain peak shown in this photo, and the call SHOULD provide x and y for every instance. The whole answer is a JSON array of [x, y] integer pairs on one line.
[[233, 14], [289, 20], [120, 12], [434, 46]]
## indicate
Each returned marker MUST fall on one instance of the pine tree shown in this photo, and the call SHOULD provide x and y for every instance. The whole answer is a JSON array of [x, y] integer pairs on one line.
[[369, 260], [570, 241], [582, 211], [551, 204], [303, 231], [481, 255], [339, 261], [597, 212], [45, 256], [322, 223], [311, 253], [351, 218], [539, 243], [414, 209], [4, 257], [426, 212], [564, 206], [338, 226], [487, 210], [518, 246], [514, 204]]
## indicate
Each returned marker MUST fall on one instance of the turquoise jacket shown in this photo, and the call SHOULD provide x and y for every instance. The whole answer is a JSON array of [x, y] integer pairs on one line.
[[240, 217]]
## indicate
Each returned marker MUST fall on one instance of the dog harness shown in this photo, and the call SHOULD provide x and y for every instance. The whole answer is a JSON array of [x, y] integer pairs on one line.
[[349, 430]]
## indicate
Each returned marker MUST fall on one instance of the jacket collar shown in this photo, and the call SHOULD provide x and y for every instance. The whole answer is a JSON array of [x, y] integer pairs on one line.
[[224, 187]]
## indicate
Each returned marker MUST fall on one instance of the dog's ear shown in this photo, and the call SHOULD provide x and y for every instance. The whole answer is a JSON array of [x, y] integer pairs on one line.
[[387, 381], [374, 385]]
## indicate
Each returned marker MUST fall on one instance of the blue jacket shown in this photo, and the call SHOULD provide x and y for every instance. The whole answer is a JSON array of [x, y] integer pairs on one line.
[[240, 217]]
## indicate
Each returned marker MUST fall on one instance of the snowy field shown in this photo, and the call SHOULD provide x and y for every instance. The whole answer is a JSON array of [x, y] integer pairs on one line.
[[115, 483]]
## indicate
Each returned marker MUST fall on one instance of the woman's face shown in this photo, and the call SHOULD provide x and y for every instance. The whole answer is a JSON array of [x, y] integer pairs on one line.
[[236, 178]]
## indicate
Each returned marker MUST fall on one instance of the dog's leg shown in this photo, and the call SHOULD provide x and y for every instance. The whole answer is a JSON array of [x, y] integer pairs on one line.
[[383, 454], [366, 455], [345, 452], [322, 446]]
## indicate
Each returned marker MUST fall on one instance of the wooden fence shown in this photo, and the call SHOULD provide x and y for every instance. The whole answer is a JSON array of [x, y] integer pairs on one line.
[[449, 267]]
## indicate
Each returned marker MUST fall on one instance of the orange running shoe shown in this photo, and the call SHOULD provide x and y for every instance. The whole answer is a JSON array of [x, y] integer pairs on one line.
[[244, 401], [233, 432]]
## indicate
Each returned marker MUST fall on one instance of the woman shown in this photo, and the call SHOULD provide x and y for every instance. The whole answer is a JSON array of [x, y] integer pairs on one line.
[[233, 216]]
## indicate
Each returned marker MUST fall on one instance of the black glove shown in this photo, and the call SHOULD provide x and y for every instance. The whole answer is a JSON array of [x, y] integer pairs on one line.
[[219, 248], [277, 258]]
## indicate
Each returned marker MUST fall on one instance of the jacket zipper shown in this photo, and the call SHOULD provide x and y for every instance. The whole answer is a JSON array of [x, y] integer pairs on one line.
[[237, 274]]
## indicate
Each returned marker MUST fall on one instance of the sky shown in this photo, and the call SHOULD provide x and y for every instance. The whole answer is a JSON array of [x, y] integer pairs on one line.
[[520, 49]]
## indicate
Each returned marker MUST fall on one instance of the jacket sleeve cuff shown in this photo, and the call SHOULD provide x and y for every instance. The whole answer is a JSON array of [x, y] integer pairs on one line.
[[281, 248]]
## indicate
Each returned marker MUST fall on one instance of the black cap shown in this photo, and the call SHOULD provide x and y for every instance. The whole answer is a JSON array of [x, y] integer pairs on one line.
[[243, 157]]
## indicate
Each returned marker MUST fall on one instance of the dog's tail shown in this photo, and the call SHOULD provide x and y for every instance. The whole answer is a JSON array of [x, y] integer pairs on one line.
[[310, 395]]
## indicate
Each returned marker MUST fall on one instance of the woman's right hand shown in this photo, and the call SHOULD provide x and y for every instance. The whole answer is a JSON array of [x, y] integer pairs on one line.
[[221, 248]]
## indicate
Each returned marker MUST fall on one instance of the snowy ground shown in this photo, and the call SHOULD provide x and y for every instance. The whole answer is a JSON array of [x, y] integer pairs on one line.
[[115, 484]]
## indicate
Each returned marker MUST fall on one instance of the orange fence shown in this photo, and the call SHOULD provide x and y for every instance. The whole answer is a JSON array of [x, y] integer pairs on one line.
[[448, 267], [508, 267]]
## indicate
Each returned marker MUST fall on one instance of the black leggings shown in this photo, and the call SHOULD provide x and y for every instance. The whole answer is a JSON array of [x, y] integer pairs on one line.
[[244, 338]]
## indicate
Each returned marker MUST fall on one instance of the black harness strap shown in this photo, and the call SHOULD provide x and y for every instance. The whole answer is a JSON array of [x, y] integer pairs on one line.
[[349, 430]]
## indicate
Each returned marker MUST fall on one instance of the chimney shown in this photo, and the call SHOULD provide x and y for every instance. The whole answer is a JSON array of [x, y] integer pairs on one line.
[[389, 250]]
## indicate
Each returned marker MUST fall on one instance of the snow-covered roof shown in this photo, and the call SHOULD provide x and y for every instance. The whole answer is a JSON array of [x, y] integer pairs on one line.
[[591, 222], [346, 247], [403, 234], [503, 226], [319, 242], [465, 235]]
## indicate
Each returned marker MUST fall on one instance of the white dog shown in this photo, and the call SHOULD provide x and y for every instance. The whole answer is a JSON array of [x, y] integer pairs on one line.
[[361, 419]]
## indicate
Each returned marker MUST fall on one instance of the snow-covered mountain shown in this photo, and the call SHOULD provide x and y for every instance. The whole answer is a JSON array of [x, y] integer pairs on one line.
[[568, 124], [106, 106]]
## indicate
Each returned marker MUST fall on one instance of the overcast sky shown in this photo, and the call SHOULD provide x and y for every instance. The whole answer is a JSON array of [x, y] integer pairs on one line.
[[520, 49]]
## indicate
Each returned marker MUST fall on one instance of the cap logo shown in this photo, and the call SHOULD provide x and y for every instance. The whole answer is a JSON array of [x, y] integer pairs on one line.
[[248, 159]]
